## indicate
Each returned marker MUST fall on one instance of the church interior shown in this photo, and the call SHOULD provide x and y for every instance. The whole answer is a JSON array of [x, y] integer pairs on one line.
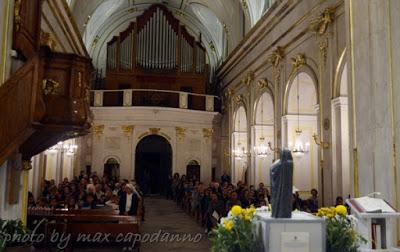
[[130, 118]]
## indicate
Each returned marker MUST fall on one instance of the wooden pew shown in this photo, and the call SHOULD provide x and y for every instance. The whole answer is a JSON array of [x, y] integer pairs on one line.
[[86, 227]]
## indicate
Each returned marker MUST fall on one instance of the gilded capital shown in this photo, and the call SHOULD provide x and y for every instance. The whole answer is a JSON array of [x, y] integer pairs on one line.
[[26, 165], [207, 133], [180, 132], [127, 129], [97, 130]]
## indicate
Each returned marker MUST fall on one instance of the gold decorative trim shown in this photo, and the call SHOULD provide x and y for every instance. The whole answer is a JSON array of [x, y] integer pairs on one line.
[[323, 49], [155, 131], [50, 87], [248, 78], [299, 60], [95, 41], [98, 130], [127, 129], [263, 83], [26, 165], [276, 57], [17, 15], [238, 99], [46, 39], [5, 41], [180, 132], [207, 133], [320, 24]]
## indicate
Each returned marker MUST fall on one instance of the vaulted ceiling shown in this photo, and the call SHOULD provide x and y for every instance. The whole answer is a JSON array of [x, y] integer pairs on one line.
[[221, 23]]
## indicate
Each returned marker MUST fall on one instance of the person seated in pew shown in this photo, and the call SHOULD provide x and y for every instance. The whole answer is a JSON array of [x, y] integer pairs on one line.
[[113, 202], [72, 205], [55, 205], [90, 202], [129, 200]]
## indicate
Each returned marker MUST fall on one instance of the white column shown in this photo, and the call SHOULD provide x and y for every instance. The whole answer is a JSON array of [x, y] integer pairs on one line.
[[340, 147]]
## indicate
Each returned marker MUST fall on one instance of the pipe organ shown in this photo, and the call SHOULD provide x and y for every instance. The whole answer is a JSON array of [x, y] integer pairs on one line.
[[156, 41], [156, 52]]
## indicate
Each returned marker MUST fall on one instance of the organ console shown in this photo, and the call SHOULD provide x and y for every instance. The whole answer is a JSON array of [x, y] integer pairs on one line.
[[156, 52]]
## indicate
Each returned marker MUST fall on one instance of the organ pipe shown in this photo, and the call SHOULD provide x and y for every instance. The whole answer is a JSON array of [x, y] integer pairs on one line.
[[156, 43]]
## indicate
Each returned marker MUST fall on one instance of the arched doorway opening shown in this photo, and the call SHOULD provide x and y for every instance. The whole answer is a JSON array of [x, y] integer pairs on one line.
[[240, 148], [193, 170], [153, 164], [262, 136], [298, 127], [111, 168]]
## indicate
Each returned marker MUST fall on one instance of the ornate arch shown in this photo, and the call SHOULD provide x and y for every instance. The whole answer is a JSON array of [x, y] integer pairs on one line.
[[338, 74], [297, 69], [264, 89]]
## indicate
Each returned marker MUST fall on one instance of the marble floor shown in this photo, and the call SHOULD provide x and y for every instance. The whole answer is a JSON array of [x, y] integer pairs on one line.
[[164, 220], [162, 214]]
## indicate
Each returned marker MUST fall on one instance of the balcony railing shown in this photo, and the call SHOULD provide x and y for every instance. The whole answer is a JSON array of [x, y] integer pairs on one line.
[[154, 97]]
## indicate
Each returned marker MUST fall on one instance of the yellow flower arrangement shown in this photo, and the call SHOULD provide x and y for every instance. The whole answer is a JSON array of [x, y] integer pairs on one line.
[[235, 232], [228, 224], [341, 210], [236, 210]]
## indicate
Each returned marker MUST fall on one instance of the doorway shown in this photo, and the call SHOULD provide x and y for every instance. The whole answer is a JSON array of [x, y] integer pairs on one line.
[[193, 170], [153, 164], [111, 168]]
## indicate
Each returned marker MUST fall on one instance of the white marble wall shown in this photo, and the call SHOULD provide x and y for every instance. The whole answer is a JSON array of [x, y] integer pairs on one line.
[[193, 144]]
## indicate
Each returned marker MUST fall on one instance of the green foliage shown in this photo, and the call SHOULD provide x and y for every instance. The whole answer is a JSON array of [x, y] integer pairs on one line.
[[237, 239], [341, 235]]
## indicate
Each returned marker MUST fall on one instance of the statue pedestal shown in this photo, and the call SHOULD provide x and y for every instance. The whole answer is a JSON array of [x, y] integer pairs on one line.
[[302, 233]]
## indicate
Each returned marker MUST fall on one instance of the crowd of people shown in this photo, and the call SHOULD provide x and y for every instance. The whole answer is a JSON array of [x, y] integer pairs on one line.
[[208, 203], [89, 191]]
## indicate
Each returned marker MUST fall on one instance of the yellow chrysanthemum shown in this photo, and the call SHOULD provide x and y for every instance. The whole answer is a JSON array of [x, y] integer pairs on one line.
[[236, 210], [228, 224], [341, 210]]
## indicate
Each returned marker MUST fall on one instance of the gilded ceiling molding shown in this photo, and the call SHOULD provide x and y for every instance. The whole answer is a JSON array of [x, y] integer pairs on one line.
[[320, 24], [98, 130], [180, 132], [127, 129], [95, 41]]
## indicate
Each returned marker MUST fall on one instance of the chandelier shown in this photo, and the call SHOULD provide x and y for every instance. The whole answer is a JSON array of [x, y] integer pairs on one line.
[[262, 150], [68, 148], [299, 148]]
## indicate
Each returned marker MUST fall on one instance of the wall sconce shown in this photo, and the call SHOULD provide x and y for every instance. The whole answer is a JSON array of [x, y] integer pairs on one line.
[[322, 144]]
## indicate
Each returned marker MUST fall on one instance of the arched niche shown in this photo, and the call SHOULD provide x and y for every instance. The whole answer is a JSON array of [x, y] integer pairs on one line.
[[112, 168], [239, 145], [299, 124], [262, 135], [303, 86]]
